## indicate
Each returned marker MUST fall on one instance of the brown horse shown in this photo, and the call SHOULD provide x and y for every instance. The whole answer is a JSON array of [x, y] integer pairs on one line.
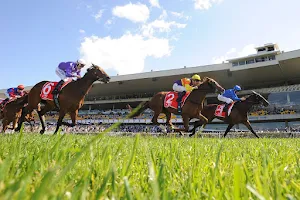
[[12, 112], [191, 109], [71, 98], [238, 114]]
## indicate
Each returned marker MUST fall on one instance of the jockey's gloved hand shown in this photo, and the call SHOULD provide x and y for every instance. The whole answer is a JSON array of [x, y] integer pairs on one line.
[[196, 87]]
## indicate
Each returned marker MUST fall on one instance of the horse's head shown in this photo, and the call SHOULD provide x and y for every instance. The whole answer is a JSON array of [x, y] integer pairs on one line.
[[257, 99], [98, 73], [212, 84]]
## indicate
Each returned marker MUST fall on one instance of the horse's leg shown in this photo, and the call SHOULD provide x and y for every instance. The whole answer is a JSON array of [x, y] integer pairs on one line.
[[4, 125], [168, 116], [248, 125], [41, 114], [228, 129], [22, 118], [29, 121], [186, 120], [73, 116], [154, 118], [203, 118], [199, 123], [59, 121], [16, 119], [196, 125]]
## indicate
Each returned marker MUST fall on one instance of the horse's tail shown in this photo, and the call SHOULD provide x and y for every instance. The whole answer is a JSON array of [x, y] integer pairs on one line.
[[140, 109]]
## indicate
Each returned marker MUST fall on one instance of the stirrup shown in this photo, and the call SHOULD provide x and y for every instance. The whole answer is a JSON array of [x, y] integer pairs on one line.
[[179, 109]]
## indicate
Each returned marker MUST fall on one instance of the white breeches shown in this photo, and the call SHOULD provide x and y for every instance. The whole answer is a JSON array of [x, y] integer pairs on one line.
[[224, 99], [7, 95], [62, 75], [178, 88]]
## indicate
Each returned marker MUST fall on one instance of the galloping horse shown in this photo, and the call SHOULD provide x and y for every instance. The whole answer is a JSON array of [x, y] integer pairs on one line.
[[191, 108], [71, 98], [238, 114], [12, 112]]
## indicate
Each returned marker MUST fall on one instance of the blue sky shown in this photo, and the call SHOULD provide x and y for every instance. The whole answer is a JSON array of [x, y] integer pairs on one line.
[[133, 36]]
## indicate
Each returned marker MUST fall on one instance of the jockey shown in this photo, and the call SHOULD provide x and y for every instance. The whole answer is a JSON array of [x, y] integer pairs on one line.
[[230, 96], [67, 71], [186, 84], [13, 93]]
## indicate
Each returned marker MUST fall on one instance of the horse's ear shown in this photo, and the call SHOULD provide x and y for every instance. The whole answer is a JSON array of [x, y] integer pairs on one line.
[[93, 65]]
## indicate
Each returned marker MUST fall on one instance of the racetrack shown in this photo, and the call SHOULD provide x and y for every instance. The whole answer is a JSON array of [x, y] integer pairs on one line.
[[34, 166]]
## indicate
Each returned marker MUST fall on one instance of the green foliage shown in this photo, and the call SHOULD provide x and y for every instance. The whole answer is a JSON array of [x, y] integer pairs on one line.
[[99, 167]]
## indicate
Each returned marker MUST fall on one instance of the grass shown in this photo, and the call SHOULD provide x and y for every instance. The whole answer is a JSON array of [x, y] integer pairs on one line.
[[98, 167]]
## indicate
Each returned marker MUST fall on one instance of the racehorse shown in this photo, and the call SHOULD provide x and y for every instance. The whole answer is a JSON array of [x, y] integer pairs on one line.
[[238, 114], [191, 108], [71, 98], [12, 112]]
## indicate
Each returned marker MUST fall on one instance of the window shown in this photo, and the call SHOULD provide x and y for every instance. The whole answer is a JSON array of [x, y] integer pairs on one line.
[[250, 61], [295, 97], [271, 49], [242, 62], [279, 98], [235, 64], [272, 57], [261, 49], [258, 60]]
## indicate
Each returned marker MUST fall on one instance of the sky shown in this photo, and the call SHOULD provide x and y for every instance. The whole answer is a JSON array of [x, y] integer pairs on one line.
[[126, 37]]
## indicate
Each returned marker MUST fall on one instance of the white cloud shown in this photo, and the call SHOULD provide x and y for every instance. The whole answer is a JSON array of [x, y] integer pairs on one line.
[[126, 54], [99, 14], [180, 15], [161, 26], [219, 60], [233, 53], [154, 3], [108, 22], [205, 4], [163, 15], [133, 12], [247, 50], [177, 14], [82, 31]]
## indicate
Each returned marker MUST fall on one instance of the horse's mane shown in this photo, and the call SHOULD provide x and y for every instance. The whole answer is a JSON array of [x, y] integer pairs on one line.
[[20, 101]]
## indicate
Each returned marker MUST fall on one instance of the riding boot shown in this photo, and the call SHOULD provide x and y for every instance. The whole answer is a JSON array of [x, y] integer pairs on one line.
[[57, 88], [179, 99], [225, 109]]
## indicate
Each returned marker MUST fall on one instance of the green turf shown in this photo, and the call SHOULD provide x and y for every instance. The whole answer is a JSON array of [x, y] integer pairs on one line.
[[98, 167]]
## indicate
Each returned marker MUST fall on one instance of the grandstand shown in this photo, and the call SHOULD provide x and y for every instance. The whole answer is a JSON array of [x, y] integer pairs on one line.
[[271, 72]]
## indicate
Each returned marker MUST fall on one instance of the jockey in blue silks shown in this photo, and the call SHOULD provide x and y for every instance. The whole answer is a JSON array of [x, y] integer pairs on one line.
[[229, 96]]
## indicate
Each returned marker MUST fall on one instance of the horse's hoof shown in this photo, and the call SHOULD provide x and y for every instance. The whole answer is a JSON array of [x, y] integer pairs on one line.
[[42, 132], [17, 129]]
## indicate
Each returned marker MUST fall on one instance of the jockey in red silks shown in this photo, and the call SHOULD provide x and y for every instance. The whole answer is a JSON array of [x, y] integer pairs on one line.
[[12, 93], [67, 71]]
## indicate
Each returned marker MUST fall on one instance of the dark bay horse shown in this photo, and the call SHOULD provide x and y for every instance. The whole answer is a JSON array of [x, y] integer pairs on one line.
[[191, 109], [238, 114], [12, 113], [71, 98]]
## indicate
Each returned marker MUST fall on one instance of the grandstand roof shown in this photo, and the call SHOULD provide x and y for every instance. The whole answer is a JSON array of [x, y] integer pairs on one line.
[[284, 69]]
